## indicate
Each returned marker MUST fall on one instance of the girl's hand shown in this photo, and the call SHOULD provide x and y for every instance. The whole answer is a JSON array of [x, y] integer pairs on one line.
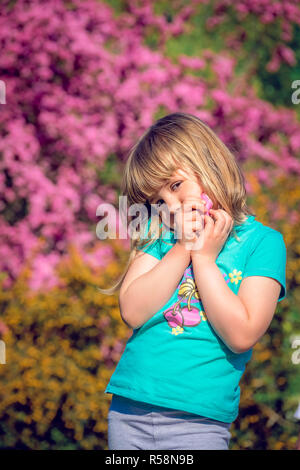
[[215, 233], [189, 221]]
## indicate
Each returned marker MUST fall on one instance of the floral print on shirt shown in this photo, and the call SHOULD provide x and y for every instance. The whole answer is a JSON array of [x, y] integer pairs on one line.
[[235, 276], [186, 312]]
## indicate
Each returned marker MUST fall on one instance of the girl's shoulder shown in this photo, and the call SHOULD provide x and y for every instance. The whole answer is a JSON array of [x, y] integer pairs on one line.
[[259, 243], [263, 231], [266, 244], [257, 231]]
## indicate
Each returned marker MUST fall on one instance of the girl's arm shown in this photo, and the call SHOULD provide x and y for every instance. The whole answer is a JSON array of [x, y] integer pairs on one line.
[[241, 320], [147, 293]]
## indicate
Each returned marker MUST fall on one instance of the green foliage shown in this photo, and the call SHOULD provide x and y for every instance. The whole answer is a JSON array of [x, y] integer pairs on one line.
[[111, 173]]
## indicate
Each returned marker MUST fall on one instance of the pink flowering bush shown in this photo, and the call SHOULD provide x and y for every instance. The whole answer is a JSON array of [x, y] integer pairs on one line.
[[82, 85]]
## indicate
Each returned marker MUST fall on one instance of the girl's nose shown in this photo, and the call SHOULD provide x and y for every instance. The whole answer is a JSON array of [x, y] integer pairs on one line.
[[172, 206]]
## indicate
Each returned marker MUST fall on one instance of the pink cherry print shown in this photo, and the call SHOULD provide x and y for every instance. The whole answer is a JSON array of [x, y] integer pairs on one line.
[[191, 317], [174, 317]]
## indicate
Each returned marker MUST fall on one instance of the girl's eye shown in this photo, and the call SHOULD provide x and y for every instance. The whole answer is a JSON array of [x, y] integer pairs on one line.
[[161, 201], [178, 182]]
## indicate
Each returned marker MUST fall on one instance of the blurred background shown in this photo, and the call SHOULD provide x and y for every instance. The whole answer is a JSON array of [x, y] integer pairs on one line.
[[80, 81]]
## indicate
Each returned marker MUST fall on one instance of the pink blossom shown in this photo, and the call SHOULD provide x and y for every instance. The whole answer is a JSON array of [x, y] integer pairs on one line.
[[89, 92]]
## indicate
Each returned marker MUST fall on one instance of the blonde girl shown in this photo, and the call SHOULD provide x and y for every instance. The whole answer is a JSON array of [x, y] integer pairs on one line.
[[196, 309]]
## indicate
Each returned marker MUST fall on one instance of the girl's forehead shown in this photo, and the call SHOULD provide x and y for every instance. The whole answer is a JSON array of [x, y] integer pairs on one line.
[[179, 173], [183, 173]]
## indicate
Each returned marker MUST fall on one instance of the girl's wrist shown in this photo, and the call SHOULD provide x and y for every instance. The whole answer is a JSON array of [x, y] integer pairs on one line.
[[201, 257], [182, 249]]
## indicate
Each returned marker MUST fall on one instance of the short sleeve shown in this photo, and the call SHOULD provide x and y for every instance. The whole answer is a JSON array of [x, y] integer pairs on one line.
[[269, 259], [153, 246]]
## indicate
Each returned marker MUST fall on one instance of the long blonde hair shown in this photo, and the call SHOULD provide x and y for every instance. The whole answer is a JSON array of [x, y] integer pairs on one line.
[[180, 140]]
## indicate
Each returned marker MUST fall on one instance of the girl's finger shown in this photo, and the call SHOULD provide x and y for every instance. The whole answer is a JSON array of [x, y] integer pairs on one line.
[[190, 205], [198, 224], [226, 229], [195, 215], [229, 221], [220, 221], [191, 199], [209, 224], [221, 211]]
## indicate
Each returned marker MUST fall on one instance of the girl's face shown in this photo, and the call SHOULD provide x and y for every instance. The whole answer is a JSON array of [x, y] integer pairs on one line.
[[174, 193]]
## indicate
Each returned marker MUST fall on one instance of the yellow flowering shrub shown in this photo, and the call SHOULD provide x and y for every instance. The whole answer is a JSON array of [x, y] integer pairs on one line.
[[270, 387], [61, 349]]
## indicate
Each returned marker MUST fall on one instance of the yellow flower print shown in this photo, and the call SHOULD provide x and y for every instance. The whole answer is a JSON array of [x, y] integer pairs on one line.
[[176, 331], [235, 276]]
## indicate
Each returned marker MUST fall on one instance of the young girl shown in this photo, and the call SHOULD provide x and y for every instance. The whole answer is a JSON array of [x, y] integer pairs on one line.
[[196, 310]]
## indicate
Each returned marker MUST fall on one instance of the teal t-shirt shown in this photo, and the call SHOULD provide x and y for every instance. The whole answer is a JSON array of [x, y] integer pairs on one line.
[[176, 359]]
